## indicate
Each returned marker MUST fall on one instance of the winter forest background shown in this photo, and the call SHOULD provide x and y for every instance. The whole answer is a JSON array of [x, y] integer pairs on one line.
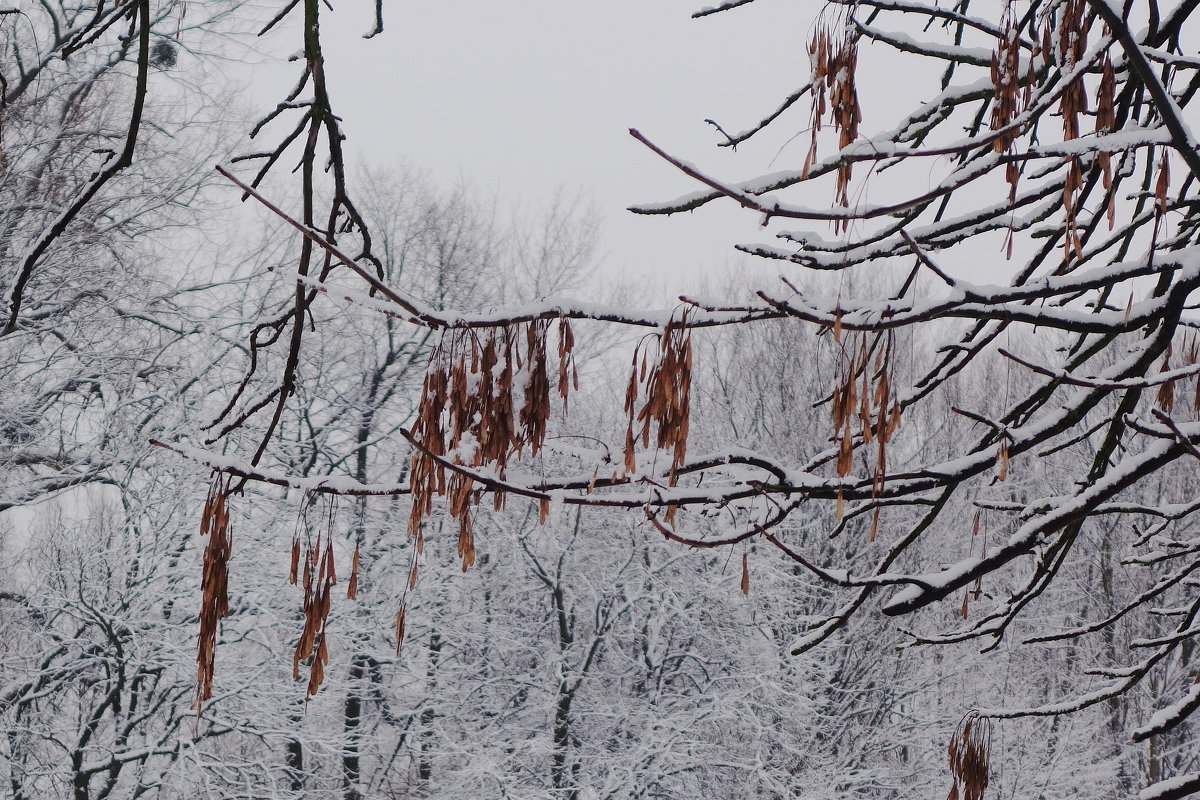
[[327, 478]]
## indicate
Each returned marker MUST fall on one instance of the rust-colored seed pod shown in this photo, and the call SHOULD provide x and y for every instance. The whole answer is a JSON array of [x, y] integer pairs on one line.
[[968, 754], [214, 583]]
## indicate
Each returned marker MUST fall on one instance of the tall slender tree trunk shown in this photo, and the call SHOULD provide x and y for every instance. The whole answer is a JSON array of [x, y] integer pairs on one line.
[[562, 773], [353, 707], [424, 764], [293, 756], [352, 716]]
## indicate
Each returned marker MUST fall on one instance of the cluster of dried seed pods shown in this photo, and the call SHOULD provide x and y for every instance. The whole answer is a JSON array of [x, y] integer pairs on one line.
[[1066, 45], [1012, 97], [968, 753], [486, 399], [1012, 94], [864, 407], [664, 385], [1165, 397], [214, 582], [833, 53], [1063, 40], [317, 578]]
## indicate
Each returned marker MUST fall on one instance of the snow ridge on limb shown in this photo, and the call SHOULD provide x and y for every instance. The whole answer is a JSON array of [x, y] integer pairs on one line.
[[1172, 788]]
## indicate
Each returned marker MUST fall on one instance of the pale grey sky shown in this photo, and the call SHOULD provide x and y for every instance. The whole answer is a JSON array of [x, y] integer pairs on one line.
[[521, 98]]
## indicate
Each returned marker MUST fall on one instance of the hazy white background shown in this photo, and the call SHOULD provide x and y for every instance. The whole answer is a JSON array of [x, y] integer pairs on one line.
[[524, 98]]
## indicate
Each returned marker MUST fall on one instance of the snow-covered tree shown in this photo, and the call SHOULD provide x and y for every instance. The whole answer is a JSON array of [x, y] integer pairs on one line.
[[1039, 183], [971, 402]]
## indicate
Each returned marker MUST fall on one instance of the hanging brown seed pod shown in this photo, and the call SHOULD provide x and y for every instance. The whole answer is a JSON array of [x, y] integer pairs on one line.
[[214, 583], [833, 55], [400, 614], [1106, 122], [668, 394], [535, 411], [352, 584], [461, 500], [319, 577], [293, 573], [1163, 184], [1165, 399], [466, 541], [566, 360], [968, 754], [1072, 183], [1006, 80], [845, 459]]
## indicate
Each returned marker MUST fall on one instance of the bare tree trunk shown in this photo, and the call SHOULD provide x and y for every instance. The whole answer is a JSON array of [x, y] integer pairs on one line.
[[16, 769], [293, 756], [352, 715], [563, 774], [424, 765]]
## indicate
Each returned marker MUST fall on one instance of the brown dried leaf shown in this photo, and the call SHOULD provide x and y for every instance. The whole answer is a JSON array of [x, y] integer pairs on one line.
[[466, 541], [214, 585], [1165, 398], [293, 572], [400, 612], [352, 584], [969, 753], [1163, 184], [845, 460]]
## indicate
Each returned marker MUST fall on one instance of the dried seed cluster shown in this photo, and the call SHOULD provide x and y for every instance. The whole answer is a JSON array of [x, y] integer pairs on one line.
[[317, 578], [1069, 48], [485, 400], [665, 388], [862, 405], [833, 53], [968, 754], [214, 582], [1067, 45], [1012, 97], [1062, 38], [1165, 397]]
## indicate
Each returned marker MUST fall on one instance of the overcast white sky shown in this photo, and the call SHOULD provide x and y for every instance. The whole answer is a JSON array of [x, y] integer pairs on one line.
[[522, 98]]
